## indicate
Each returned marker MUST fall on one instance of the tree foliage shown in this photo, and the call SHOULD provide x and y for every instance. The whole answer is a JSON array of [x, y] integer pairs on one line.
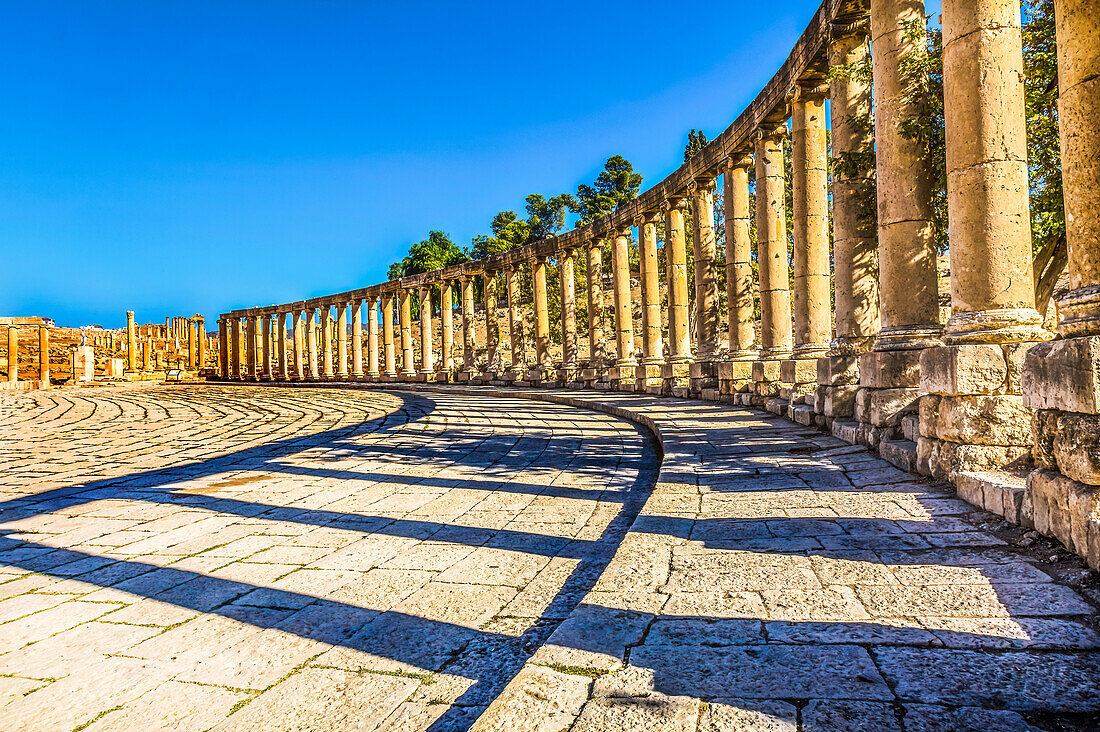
[[696, 142], [616, 184], [435, 252]]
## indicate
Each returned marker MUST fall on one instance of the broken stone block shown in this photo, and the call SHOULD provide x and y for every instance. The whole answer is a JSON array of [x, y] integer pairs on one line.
[[900, 453], [943, 459], [910, 426], [981, 420], [1069, 443], [1068, 511], [890, 369], [1063, 375], [886, 407], [966, 369]]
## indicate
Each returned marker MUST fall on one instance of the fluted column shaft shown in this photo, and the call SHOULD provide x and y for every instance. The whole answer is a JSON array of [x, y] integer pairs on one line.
[[342, 340], [771, 245], [257, 342], [280, 345], [652, 342], [266, 334], [595, 301], [299, 345], [492, 326], [372, 337], [1078, 28], [624, 318], [740, 286], [855, 252], [706, 276], [357, 338], [810, 184], [992, 277], [515, 319], [388, 343], [569, 355], [908, 295], [679, 338], [542, 313], [469, 340], [427, 357], [311, 341], [446, 318]]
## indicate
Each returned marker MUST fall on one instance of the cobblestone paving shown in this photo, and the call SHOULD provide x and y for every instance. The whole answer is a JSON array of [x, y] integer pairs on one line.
[[244, 558], [257, 558]]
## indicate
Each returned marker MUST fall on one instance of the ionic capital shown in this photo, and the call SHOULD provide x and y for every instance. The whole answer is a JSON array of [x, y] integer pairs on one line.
[[741, 159], [850, 27], [774, 133], [670, 203], [704, 183]]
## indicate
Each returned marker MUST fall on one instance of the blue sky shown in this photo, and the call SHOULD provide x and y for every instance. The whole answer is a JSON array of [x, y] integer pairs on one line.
[[190, 157]]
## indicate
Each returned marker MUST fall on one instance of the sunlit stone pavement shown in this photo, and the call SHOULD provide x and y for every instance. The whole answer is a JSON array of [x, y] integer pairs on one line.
[[268, 558]]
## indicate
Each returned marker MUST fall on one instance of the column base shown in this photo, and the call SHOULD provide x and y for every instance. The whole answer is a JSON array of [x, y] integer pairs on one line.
[[647, 378], [622, 377], [702, 375], [676, 376], [734, 377], [909, 337], [1079, 311], [1003, 325]]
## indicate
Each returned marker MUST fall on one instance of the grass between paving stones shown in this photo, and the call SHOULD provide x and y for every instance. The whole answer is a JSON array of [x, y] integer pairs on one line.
[[586, 671]]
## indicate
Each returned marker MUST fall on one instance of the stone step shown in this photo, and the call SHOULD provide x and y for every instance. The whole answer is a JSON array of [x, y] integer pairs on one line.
[[802, 414], [901, 453], [777, 406], [847, 431], [996, 491]]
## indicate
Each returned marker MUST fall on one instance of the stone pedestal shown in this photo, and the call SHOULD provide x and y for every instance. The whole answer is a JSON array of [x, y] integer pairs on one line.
[[734, 377], [702, 375], [648, 378], [675, 378], [622, 377], [115, 368], [83, 363], [767, 380]]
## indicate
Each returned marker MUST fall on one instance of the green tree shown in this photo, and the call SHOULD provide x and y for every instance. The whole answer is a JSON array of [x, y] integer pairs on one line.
[[435, 252], [1048, 216], [546, 216], [616, 184], [696, 142]]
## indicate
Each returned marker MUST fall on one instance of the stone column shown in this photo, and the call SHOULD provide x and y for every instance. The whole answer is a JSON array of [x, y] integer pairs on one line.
[[326, 341], [570, 358], [469, 341], [44, 355], [192, 345], [200, 324], [622, 375], [649, 371], [13, 354], [236, 370], [252, 345], [706, 275], [812, 298], [492, 326], [1061, 379], [223, 348], [357, 338], [855, 253], [675, 373], [735, 373], [372, 338], [266, 333], [543, 361], [404, 314], [595, 307], [427, 358], [298, 336], [311, 343], [446, 318], [342, 340], [388, 343], [515, 320], [908, 304], [258, 344], [992, 286], [131, 343], [280, 345], [771, 242]]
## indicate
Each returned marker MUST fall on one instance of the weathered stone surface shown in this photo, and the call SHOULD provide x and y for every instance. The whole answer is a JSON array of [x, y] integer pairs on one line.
[[1069, 443], [890, 369], [656, 712], [997, 492], [1067, 510], [840, 401], [885, 407], [748, 715], [941, 458], [766, 371], [838, 370], [965, 369], [1063, 375], [538, 698], [798, 371], [980, 420]]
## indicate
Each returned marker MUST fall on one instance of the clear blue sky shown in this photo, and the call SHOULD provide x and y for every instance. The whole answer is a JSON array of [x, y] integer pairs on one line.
[[175, 158]]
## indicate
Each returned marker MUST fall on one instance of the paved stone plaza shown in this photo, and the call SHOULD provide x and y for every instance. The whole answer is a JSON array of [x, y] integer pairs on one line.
[[270, 558]]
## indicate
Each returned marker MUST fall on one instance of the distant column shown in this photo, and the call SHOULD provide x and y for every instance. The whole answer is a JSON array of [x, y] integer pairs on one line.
[[223, 348], [44, 355], [408, 368], [357, 338], [676, 270], [280, 345], [372, 337], [706, 275], [387, 336], [252, 345], [469, 339], [652, 342], [624, 319], [297, 334], [740, 286], [771, 244], [569, 355], [326, 340], [595, 302], [515, 320], [267, 354], [492, 325], [131, 342], [200, 324], [342, 340], [427, 357], [192, 345], [13, 354], [446, 319], [235, 348], [311, 343], [543, 360]]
